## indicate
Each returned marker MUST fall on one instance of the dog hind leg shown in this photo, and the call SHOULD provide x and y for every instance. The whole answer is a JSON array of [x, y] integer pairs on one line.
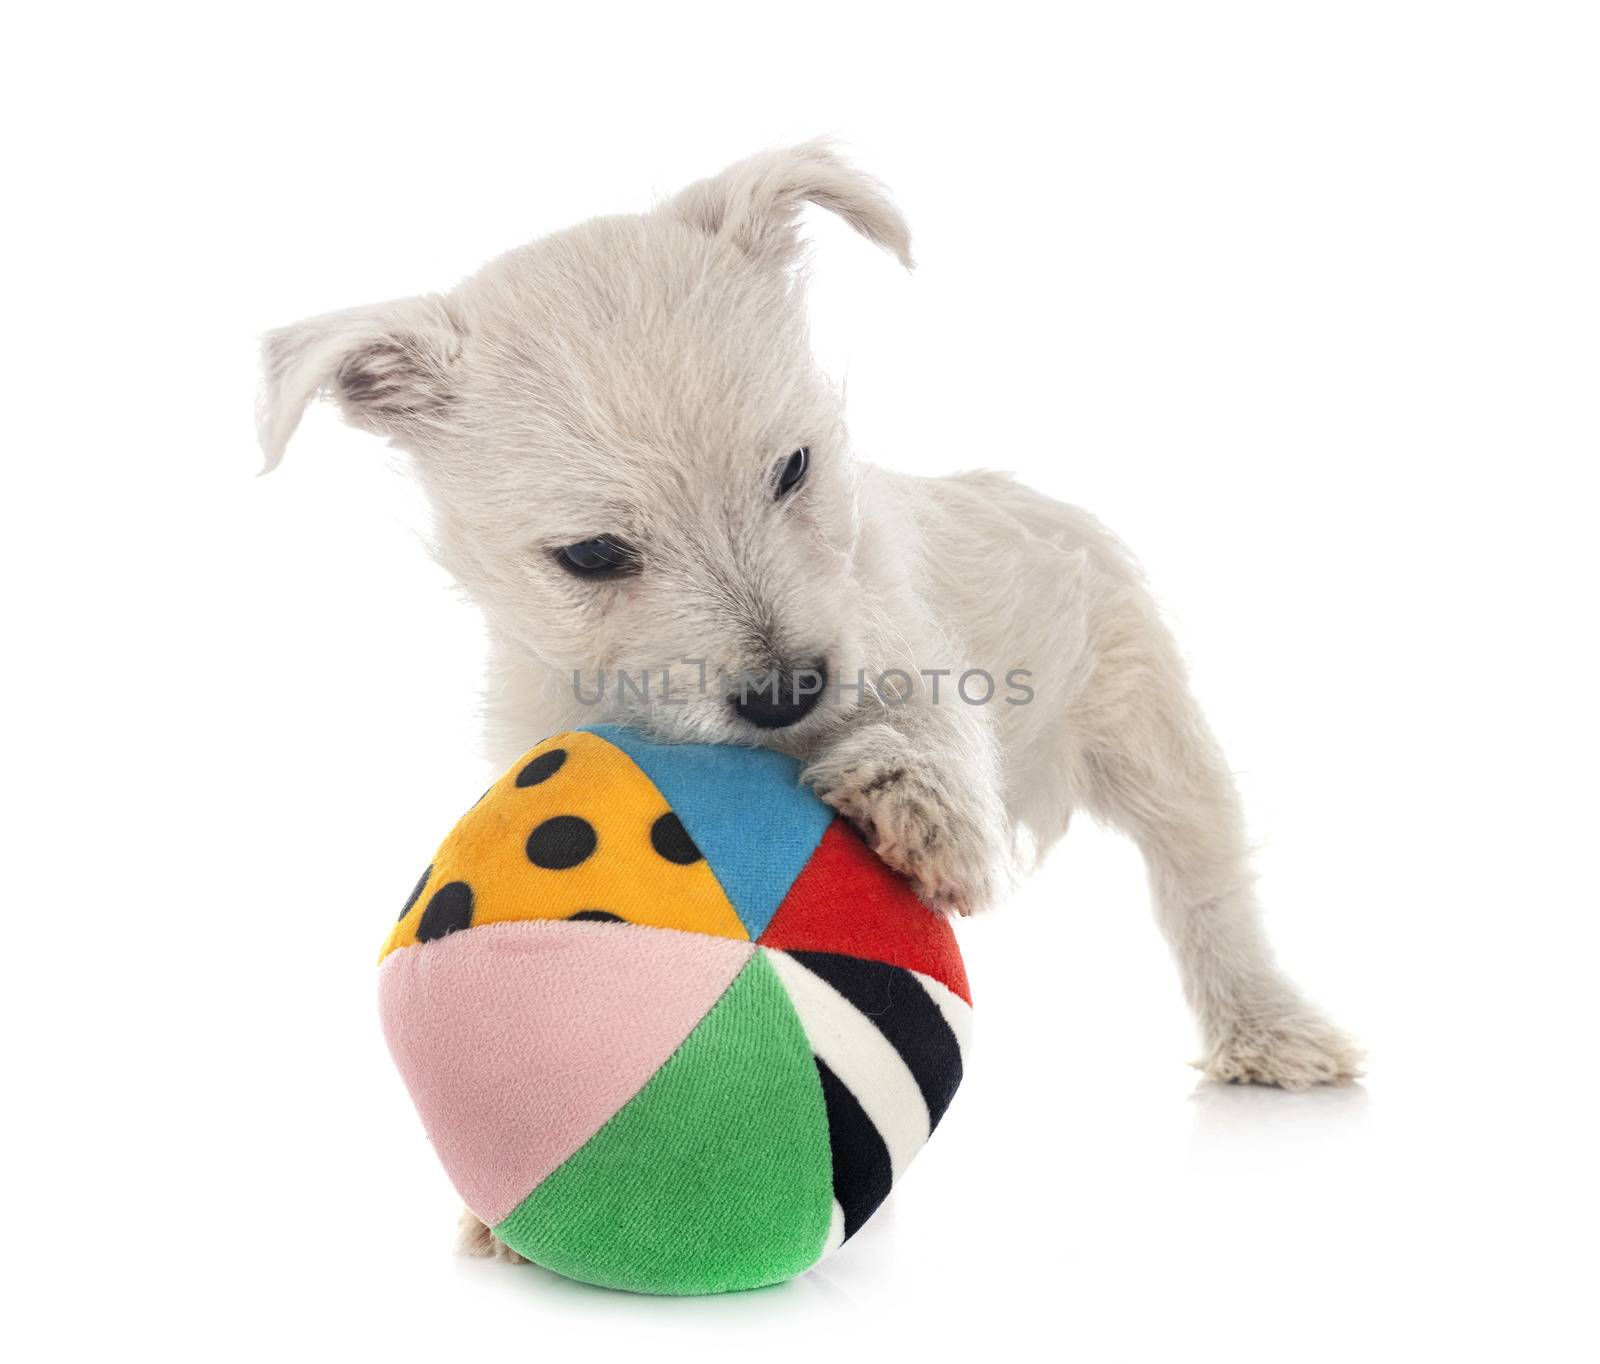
[[1146, 763]]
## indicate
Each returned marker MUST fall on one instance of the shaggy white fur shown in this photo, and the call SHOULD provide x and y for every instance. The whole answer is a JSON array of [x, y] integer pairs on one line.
[[646, 378]]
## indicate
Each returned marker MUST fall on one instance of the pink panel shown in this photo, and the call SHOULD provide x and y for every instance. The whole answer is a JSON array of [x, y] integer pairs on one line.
[[519, 1040]]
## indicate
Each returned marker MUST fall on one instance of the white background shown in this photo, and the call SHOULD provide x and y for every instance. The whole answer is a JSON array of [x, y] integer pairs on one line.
[[1302, 300]]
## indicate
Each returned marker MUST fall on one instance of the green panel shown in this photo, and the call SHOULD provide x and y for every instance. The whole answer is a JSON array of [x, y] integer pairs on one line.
[[715, 1176]]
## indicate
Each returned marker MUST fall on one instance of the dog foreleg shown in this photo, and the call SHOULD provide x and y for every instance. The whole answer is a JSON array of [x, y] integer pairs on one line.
[[920, 782]]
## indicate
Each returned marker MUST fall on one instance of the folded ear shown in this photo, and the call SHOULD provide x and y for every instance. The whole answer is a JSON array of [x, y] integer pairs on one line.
[[756, 203], [389, 367]]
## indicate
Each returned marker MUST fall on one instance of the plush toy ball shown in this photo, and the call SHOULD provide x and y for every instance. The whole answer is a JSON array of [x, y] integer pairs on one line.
[[669, 1024]]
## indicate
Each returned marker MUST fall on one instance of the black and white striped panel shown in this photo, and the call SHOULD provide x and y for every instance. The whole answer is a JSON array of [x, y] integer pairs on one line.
[[888, 1044]]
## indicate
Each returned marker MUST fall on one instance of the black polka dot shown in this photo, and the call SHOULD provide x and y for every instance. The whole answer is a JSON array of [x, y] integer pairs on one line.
[[561, 842], [416, 894], [597, 916], [542, 768], [449, 911], [669, 838]]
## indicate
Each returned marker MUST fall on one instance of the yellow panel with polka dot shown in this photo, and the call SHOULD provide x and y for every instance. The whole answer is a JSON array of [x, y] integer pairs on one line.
[[574, 831]]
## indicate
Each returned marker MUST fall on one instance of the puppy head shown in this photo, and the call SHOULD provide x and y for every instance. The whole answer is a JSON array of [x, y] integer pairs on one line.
[[637, 470]]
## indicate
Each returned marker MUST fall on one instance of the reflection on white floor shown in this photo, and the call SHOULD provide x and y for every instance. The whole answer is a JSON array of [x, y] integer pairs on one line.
[[1237, 1122], [1243, 1224]]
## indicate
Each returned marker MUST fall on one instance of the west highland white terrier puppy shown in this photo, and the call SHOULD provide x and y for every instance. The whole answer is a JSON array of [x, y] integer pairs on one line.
[[642, 478]]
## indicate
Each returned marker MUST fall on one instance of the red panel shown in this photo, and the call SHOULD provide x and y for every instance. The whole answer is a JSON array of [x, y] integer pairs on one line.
[[848, 901]]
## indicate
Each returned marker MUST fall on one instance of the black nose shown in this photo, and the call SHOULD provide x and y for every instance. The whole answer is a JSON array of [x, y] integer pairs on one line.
[[784, 697]]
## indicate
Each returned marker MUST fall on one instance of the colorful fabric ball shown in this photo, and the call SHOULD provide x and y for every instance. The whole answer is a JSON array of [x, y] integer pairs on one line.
[[669, 1023]]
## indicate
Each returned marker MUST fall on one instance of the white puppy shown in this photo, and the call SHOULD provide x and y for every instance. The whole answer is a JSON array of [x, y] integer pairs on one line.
[[642, 478]]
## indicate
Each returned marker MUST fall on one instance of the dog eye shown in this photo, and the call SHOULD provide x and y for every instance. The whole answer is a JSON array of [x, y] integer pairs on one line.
[[793, 473], [598, 557]]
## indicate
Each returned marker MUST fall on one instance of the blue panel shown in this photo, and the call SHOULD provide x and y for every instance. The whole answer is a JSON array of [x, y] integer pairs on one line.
[[745, 810]]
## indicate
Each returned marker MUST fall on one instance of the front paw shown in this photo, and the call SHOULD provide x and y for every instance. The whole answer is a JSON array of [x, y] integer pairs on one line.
[[914, 815], [475, 1239], [1290, 1050]]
